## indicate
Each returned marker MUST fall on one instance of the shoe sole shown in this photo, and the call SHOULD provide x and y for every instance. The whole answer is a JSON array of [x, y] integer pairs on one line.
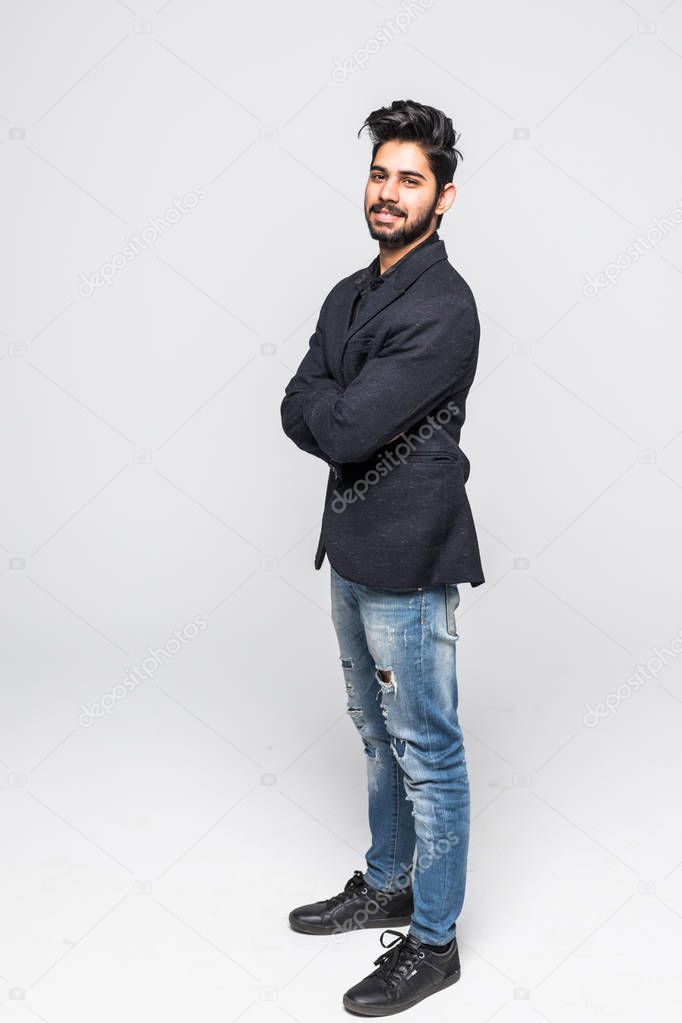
[[395, 921], [376, 1010]]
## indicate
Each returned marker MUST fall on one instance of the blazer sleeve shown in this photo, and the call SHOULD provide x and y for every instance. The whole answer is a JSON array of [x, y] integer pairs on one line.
[[312, 375], [417, 368]]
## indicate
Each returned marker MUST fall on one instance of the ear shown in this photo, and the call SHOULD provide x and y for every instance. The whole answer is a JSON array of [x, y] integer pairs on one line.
[[446, 198]]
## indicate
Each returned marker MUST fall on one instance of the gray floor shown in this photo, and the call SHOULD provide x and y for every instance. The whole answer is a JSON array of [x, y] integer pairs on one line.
[[150, 860]]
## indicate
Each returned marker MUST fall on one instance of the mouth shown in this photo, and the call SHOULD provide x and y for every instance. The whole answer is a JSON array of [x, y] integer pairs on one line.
[[385, 217]]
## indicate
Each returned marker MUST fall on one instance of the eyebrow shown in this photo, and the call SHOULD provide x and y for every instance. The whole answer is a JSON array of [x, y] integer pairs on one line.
[[405, 173]]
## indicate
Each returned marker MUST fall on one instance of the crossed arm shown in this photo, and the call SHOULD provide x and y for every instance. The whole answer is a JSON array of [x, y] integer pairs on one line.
[[417, 367], [312, 376]]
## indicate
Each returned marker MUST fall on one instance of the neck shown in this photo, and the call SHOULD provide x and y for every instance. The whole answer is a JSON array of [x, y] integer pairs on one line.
[[389, 257]]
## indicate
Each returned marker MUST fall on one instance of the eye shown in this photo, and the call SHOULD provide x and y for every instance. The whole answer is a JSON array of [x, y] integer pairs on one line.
[[411, 181]]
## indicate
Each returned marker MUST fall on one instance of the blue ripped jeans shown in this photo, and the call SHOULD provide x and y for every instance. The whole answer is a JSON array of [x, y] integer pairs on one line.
[[397, 650]]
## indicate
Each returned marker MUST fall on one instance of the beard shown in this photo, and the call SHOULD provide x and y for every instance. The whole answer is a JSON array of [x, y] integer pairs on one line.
[[399, 234]]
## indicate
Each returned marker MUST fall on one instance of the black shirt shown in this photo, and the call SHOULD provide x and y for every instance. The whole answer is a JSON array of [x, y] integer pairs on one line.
[[370, 278]]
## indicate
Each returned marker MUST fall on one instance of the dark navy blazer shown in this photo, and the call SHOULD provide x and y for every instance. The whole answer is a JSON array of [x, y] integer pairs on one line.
[[382, 401]]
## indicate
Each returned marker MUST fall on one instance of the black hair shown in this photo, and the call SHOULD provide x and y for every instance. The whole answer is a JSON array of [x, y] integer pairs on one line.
[[409, 121]]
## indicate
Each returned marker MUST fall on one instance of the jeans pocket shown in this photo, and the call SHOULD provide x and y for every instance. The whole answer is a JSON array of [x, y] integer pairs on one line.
[[451, 605]]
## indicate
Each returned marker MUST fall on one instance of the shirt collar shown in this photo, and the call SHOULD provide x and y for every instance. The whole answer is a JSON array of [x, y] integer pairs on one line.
[[370, 277]]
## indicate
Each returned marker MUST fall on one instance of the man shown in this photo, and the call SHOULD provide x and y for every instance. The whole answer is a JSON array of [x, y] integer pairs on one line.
[[380, 396]]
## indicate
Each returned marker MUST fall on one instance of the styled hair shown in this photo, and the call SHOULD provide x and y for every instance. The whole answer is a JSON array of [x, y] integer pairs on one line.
[[432, 130]]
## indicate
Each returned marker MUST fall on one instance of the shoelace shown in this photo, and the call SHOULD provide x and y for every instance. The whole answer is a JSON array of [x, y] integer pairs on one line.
[[354, 883], [401, 956]]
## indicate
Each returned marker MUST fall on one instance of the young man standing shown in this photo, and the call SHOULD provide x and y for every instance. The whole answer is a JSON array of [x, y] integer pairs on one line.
[[380, 395]]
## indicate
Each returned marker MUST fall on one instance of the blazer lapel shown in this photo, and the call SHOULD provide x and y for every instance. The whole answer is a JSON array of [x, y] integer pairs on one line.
[[404, 275]]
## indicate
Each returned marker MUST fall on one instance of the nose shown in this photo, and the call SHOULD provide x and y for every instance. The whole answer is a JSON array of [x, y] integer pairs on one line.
[[388, 192]]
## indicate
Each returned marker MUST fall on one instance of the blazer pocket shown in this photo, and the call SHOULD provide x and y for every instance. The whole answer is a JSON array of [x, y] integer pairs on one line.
[[435, 456], [355, 356]]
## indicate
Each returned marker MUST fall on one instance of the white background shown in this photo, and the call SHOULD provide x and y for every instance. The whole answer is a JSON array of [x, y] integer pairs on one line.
[[149, 861]]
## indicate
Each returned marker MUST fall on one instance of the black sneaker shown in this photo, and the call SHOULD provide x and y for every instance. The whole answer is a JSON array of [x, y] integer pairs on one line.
[[408, 972], [357, 907]]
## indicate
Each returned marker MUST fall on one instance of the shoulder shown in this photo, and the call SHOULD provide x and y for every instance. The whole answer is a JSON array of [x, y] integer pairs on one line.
[[446, 291], [442, 278], [340, 292], [349, 281]]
